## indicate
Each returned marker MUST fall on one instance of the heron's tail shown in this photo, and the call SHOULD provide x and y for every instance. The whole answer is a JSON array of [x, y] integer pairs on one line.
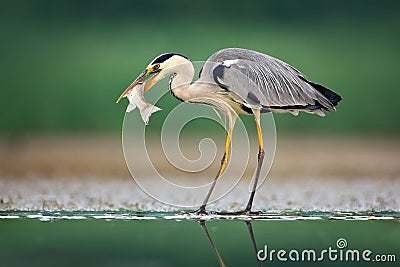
[[329, 94]]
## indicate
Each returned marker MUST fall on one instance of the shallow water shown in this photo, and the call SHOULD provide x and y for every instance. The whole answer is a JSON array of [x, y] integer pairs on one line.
[[293, 193], [177, 239], [111, 222], [283, 215]]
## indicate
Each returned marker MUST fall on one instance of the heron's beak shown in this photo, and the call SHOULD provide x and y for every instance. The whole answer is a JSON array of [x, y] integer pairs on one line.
[[143, 75], [155, 79]]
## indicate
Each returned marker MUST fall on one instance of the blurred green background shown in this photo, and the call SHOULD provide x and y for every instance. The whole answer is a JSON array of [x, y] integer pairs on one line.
[[64, 63]]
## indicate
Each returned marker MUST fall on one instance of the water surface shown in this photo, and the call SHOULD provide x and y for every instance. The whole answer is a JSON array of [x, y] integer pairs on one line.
[[177, 239]]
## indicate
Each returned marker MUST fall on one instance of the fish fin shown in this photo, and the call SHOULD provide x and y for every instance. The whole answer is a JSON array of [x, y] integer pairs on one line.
[[147, 111], [130, 107]]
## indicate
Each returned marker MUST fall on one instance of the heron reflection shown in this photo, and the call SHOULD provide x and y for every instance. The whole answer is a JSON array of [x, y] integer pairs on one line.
[[220, 260]]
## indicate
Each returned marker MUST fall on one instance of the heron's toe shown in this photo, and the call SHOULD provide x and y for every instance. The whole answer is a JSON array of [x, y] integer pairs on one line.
[[252, 213], [200, 211], [240, 212]]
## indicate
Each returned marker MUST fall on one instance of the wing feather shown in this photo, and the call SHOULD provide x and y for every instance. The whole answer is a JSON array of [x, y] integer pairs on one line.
[[261, 80]]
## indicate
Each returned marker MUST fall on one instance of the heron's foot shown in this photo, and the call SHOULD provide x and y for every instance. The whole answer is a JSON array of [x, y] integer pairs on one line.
[[240, 212], [200, 211], [255, 213]]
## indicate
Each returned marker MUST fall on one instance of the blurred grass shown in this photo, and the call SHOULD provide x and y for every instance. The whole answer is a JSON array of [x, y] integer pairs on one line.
[[63, 65]]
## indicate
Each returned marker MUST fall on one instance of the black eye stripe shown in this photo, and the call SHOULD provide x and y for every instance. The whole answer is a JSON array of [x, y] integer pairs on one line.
[[164, 57]]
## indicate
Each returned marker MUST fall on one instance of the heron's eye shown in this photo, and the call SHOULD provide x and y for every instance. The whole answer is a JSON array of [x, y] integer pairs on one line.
[[156, 66]]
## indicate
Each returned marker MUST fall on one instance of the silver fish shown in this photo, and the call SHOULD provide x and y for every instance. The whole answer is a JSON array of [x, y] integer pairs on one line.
[[136, 99]]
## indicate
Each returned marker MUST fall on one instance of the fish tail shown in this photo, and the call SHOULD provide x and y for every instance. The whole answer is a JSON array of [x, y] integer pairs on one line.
[[147, 111]]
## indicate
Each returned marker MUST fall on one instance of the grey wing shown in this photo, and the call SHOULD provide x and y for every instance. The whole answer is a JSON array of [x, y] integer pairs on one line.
[[263, 81]]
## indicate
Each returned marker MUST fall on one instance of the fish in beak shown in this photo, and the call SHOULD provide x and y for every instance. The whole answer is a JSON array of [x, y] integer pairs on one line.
[[140, 78], [135, 93], [136, 99]]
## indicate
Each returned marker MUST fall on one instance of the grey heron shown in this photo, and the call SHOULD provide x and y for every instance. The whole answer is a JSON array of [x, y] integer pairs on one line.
[[240, 81]]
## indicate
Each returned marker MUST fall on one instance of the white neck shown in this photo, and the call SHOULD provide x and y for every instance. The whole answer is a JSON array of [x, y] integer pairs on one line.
[[182, 77], [180, 83]]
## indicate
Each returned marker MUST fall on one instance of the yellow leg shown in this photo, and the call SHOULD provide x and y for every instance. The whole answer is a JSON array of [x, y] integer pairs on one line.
[[224, 162], [261, 154], [259, 133]]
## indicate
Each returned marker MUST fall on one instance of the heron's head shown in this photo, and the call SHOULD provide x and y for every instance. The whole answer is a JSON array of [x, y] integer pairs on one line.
[[161, 67]]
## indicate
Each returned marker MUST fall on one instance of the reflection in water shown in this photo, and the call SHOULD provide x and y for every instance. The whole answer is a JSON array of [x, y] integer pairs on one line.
[[253, 241], [204, 227], [166, 239], [214, 248]]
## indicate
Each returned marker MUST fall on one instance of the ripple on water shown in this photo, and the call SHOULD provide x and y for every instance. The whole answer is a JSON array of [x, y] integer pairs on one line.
[[179, 216]]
